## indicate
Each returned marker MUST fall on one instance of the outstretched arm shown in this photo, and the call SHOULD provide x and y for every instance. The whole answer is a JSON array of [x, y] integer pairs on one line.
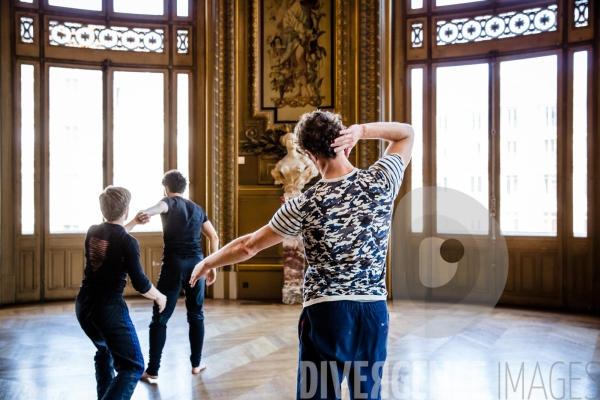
[[240, 249], [138, 219], [400, 135], [159, 208], [144, 216]]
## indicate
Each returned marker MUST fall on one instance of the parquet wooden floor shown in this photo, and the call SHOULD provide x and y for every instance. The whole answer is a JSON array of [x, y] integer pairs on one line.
[[251, 353]]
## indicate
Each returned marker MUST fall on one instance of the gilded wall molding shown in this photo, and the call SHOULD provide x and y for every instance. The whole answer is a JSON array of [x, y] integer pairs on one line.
[[341, 60], [227, 161], [369, 105], [257, 121]]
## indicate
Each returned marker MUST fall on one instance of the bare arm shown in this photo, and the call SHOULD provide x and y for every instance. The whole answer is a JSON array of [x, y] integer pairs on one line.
[[159, 208], [144, 215], [209, 231], [240, 249], [134, 221], [158, 297], [400, 135]]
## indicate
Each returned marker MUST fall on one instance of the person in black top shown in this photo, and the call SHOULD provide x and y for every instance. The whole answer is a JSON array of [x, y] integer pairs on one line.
[[182, 222], [111, 254]]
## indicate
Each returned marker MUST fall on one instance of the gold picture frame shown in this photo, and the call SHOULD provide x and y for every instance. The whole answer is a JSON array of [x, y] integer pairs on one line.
[[296, 57]]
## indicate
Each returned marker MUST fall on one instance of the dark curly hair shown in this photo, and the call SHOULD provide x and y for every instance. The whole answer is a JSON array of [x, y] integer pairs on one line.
[[316, 131], [174, 181]]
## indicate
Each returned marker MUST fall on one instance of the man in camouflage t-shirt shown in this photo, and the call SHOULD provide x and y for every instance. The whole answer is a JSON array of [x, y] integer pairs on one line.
[[344, 220]]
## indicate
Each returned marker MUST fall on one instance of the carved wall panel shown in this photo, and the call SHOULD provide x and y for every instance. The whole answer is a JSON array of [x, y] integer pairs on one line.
[[534, 278], [64, 272], [28, 276]]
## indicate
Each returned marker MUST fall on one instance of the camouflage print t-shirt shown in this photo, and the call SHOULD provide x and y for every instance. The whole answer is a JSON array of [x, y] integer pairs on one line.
[[345, 225]]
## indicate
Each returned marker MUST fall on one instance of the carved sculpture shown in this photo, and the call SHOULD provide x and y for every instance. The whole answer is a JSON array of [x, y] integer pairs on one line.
[[294, 170]]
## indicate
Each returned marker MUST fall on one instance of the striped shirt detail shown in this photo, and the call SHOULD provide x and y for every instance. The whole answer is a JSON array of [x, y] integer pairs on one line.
[[288, 223]]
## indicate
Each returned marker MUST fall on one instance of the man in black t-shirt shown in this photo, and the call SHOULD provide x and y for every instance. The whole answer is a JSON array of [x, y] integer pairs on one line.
[[182, 222], [111, 254]]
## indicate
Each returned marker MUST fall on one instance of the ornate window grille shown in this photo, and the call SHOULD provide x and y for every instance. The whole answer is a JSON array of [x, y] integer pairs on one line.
[[100, 37], [505, 25], [581, 14], [417, 35], [26, 30], [183, 41]]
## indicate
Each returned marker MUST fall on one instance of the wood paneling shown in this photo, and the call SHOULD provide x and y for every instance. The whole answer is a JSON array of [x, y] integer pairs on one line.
[[75, 268], [28, 280], [580, 275], [528, 273], [28, 276], [549, 271], [57, 270], [256, 207], [259, 284], [534, 277], [28, 272], [511, 279], [64, 272]]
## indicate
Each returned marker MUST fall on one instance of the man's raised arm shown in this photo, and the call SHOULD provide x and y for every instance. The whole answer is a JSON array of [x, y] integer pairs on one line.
[[400, 135]]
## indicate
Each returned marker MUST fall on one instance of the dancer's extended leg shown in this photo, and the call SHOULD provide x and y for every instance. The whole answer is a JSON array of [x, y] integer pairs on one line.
[[170, 286], [194, 300]]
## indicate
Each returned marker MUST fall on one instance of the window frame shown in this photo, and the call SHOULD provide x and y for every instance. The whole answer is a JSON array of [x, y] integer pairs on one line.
[[560, 135], [108, 61], [467, 53], [45, 143], [37, 151], [432, 162], [569, 193]]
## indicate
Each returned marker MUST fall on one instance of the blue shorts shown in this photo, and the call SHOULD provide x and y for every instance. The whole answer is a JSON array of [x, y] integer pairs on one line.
[[342, 339]]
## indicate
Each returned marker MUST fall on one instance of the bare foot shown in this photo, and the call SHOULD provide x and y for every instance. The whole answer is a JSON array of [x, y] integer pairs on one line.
[[197, 370], [145, 376]]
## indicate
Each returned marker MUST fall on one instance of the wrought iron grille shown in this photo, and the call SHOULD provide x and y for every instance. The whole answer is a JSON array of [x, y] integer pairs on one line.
[[417, 35], [581, 13], [26, 30], [505, 25], [182, 41], [99, 37]]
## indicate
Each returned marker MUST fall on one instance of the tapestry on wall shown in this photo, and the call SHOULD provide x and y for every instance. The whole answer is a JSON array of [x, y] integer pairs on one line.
[[296, 57]]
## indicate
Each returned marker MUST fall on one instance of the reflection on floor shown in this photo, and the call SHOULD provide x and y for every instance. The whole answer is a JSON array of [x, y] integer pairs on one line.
[[251, 352]]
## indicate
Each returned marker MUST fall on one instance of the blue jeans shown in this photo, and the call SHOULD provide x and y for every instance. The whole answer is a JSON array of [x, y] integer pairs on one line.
[[342, 339], [107, 323], [175, 273]]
